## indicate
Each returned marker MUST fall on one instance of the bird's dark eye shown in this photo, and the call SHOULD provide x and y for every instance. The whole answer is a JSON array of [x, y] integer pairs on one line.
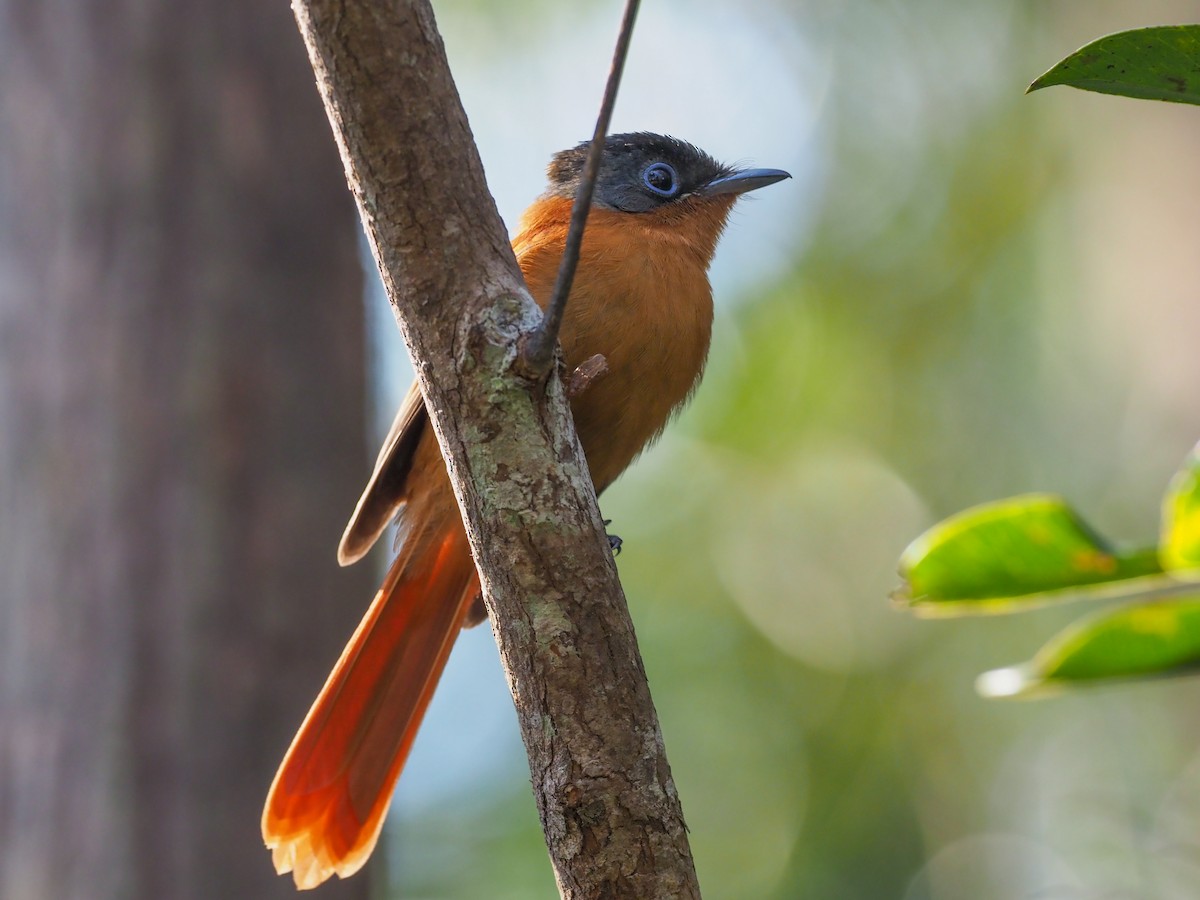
[[661, 179]]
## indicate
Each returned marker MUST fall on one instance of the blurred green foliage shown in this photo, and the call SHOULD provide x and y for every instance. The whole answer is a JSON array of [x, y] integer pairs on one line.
[[1159, 63], [1012, 555], [1004, 556], [1143, 640], [931, 347], [1008, 555]]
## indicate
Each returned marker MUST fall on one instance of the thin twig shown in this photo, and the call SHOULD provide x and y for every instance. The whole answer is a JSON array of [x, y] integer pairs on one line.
[[539, 349], [585, 373]]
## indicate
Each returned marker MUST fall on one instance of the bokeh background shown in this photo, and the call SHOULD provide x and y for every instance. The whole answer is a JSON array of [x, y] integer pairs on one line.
[[965, 293]]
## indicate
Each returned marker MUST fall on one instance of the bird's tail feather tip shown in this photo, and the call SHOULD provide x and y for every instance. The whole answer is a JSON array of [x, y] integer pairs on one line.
[[319, 844], [310, 864]]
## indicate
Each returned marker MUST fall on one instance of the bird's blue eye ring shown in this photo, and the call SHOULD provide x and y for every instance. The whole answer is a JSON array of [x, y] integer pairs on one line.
[[661, 179]]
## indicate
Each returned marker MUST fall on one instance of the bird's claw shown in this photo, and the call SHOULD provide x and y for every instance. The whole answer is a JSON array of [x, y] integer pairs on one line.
[[614, 541]]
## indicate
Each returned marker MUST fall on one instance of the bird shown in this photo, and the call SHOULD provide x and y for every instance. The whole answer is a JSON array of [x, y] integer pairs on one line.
[[641, 298]]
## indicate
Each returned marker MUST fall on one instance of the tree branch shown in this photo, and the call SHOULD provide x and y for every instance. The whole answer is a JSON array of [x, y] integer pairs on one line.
[[607, 802]]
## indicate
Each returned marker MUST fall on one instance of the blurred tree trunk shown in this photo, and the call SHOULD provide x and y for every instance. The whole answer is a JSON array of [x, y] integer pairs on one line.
[[181, 420]]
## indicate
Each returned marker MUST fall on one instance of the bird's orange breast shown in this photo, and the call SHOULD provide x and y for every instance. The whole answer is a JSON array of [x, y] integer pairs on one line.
[[641, 298]]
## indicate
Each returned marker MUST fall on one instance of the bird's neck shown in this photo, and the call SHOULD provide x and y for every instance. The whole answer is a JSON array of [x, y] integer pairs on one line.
[[691, 227]]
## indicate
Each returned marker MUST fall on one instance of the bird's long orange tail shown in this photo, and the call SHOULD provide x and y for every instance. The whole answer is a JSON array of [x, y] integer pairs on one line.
[[327, 802]]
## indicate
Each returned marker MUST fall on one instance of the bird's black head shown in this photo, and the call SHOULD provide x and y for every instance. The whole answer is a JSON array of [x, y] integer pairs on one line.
[[642, 172]]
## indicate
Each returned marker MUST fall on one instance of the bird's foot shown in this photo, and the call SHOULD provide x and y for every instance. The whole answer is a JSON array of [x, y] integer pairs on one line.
[[614, 541]]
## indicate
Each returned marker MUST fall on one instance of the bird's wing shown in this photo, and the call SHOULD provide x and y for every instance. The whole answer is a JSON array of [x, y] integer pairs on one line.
[[385, 493]]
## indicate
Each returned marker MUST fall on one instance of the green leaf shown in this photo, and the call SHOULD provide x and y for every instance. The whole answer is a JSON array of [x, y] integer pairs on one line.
[[1180, 541], [1160, 63], [1014, 554], [1140, 640]]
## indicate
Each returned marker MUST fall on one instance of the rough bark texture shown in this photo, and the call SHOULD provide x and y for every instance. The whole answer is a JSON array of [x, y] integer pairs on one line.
[[181, 430], [604, 791]]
